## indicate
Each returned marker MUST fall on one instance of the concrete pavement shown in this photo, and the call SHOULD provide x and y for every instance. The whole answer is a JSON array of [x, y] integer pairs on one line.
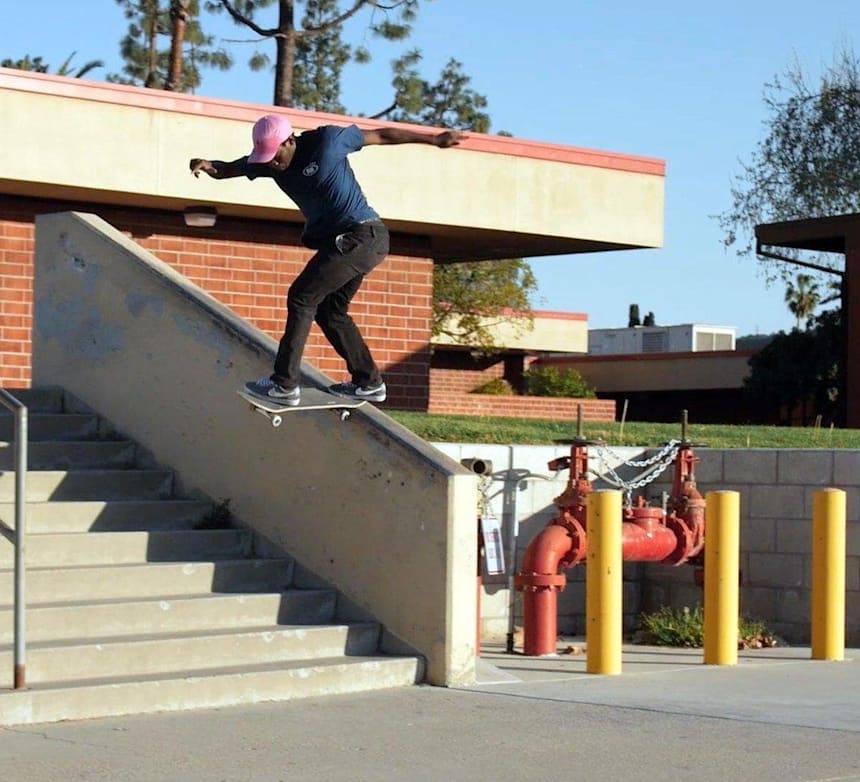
[[777, 716]]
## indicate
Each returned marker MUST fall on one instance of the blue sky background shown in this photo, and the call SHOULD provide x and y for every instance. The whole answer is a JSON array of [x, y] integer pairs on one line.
[[681, 81]]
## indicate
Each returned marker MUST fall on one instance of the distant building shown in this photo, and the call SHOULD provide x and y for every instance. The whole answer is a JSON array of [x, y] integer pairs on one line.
[[686, 338], [657, 371]]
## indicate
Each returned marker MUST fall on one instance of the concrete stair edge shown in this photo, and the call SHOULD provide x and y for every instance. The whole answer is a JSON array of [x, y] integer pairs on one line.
[[169, 614], [208, 689], [96, 659]]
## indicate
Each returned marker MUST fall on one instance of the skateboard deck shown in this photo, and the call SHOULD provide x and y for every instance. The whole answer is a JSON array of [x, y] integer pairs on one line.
[[312, 399]]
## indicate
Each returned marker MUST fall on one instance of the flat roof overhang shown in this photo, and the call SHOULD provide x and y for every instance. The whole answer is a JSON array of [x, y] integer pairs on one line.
[[491, 197], [819, 234]]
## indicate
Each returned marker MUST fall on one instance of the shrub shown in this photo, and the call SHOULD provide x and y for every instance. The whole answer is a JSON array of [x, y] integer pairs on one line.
[[686, 628], [549, 381], [498, 386]]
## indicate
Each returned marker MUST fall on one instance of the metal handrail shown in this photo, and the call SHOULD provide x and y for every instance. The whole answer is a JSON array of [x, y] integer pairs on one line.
[[20, 444]]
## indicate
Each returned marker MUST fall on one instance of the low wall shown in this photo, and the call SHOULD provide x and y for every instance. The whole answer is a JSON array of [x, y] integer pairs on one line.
[[454, 374], [551, 408], [363, 504], [776, 489]]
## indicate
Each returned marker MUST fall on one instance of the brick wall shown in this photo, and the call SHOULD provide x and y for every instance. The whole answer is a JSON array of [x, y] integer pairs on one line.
[[248, 266], [522, 407], [16, 306]]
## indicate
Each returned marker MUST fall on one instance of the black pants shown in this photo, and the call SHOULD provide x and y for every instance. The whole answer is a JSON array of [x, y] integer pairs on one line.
[[322, 292]]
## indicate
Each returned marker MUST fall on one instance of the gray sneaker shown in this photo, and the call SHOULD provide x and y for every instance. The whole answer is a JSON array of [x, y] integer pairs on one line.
[[374, 393], [268, 389]]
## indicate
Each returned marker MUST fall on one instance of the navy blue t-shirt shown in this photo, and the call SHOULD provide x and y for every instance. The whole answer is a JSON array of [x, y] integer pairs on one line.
[[321, 182]]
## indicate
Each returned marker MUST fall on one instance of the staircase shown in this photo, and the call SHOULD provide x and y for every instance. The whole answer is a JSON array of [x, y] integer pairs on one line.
[[137, 601]]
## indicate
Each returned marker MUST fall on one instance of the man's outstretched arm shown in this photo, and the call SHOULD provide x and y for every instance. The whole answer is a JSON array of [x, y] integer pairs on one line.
[[217, 169], [445, 138]]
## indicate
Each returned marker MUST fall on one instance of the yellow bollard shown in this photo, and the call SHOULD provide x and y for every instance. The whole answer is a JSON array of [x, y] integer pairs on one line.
[[828, 575], [722, 565], [603, 584]]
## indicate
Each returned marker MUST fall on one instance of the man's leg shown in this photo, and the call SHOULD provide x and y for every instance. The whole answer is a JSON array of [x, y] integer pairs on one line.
[[325, 272], [340, 330], [363, 249]]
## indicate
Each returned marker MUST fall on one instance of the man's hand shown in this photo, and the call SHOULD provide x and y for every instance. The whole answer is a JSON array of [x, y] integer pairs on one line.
[[448, 138], [206, 166]]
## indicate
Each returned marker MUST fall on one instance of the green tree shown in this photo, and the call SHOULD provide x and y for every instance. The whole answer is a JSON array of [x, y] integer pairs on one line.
[[36, 65], [320, 60], [449, 102], [803, 298], [797, 375], [165, 46], [469, 299], [808, 164], [391, 20]]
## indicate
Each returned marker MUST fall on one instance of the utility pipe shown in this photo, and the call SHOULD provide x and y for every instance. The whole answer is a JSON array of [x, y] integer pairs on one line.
[[646, 536], [563, 544], [540, 580]]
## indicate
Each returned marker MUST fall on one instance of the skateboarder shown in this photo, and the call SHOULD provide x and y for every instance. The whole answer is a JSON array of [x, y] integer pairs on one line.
[[349, 238]]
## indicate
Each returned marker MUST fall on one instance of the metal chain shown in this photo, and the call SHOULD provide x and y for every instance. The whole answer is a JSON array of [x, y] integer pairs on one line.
[[670, 446], [645, 477]]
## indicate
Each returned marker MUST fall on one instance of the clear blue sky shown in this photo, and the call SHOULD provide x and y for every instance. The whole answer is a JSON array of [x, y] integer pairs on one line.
[[681, 81]]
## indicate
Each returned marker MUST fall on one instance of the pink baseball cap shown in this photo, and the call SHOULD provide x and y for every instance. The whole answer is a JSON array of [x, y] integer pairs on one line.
[[268, 134]]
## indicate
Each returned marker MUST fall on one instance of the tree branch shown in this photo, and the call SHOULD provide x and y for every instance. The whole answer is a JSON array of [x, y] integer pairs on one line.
[[382, 113], [308, 33], [242, 19]]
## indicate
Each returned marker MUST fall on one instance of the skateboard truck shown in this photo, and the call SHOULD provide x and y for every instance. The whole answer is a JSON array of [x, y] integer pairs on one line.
[[276, 419]]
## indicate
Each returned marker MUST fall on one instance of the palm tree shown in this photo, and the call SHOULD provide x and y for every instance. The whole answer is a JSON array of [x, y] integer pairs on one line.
[[66, 70], [803, 298], [36, 65]]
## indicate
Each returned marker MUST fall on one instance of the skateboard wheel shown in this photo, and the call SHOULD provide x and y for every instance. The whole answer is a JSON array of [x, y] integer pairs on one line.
[[344, 414], [276, 421]]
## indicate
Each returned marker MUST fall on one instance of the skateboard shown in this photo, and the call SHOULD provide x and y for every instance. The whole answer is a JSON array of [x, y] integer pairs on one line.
[[312, 399]]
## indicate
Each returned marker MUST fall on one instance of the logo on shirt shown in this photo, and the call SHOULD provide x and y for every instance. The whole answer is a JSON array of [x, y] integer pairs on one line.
[[310, 169]]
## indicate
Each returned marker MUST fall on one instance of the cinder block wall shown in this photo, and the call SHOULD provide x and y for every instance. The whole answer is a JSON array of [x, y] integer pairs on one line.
[[776, 491], [248, 266]]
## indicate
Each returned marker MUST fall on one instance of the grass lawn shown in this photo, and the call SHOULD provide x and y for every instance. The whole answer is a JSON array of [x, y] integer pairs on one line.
[[475, 429]]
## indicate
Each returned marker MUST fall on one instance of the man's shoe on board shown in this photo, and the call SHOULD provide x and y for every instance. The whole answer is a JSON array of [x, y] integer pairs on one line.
[[375, 393], [268, 389]]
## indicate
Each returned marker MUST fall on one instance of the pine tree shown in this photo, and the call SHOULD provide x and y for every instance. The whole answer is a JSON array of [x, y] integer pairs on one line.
[[165, 46], [448, 102], [319, 62], [295, 48]]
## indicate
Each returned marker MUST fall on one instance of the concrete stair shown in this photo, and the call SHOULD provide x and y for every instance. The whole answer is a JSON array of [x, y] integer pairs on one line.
[[135, 603]]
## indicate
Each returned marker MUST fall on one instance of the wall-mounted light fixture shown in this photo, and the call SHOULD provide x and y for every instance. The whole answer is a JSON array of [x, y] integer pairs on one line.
[[200, 216]]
